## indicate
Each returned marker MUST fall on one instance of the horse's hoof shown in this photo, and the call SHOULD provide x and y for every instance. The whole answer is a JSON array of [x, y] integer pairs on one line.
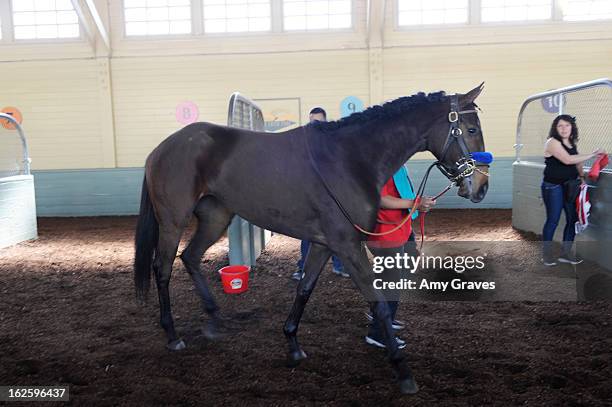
[[176, 345], [294, 358], [408, 386]]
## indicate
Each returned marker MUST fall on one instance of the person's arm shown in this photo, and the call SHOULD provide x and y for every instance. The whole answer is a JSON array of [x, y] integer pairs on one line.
[[580, 168], [554, 148], [391, 202]]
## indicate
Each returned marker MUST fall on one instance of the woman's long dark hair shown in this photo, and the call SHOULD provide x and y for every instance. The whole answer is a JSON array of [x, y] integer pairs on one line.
[[566, 118]]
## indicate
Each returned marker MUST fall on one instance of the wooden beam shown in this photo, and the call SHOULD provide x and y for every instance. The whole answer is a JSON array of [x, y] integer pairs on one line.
[[375, 22], [375, 41], [93, 10], [91, 37]]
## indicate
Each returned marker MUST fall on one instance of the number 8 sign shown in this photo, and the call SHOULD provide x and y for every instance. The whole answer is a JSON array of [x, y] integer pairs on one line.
[[187, 113]]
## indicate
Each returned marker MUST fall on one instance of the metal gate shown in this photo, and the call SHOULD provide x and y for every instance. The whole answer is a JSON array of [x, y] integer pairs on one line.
[[591, 104], [17, 202], [246, 241]]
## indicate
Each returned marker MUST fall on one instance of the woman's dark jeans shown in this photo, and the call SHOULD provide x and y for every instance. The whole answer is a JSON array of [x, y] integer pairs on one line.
[[554, 200]]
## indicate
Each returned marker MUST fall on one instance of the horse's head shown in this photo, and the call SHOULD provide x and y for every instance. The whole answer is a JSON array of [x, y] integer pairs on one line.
[[454, 138]]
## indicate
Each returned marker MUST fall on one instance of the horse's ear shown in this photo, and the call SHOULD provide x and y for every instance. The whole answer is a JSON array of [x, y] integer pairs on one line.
[[471, 96]]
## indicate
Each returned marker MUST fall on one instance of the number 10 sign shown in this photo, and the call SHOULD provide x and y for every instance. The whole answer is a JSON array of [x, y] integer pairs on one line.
[[554, 103]]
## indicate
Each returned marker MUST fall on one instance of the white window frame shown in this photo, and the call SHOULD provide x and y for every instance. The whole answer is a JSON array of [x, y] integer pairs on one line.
[[352, 27], [474, 19], [158, 37], [6, 17], [554, 4], [237, 33], [559, 10], [6, 13], [398, 27], [197, 25]]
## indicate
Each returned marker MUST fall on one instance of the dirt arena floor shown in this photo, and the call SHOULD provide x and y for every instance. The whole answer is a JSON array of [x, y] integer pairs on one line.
[[69, 316]]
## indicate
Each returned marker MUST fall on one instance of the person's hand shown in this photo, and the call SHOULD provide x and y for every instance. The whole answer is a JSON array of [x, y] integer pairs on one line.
[[599, 151], [427, 202]]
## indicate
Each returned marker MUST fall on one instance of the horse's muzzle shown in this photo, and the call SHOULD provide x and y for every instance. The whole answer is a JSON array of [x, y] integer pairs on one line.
[[473, 190], [480, 194]]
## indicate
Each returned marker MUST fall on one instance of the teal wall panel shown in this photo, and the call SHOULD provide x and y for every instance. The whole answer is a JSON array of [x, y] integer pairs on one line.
[[95, 192], [116, 191], [499, 194]]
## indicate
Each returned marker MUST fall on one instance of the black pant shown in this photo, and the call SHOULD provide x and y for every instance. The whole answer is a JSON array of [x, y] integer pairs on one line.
[[393, 274]]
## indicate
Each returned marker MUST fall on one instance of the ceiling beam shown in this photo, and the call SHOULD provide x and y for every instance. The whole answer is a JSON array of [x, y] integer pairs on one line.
[[93, 10], [91, 37]]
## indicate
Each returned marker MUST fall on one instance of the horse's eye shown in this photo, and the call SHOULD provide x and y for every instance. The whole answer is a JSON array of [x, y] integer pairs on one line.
[[472, 130]]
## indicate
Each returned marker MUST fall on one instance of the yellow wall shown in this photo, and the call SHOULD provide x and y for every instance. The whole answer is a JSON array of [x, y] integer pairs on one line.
[[145, 100], [60, 101], [85, 109]]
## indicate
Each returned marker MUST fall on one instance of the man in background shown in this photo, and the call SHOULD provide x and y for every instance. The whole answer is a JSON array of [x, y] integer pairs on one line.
[[316, 114]]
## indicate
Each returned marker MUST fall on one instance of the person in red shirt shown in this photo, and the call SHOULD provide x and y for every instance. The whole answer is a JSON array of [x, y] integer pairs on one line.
[[393, 210]]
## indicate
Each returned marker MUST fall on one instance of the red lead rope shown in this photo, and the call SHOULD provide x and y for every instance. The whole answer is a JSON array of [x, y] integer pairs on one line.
[[422, 223], [415, 205], [422, 215]]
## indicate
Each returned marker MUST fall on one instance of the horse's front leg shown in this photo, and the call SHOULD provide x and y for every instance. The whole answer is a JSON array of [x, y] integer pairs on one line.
[[315, 260], [363, 276]]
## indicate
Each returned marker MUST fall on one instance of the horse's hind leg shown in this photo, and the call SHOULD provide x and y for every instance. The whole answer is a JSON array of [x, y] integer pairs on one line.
[[213, 220], [362, 274], [315, 260], [169, 236]]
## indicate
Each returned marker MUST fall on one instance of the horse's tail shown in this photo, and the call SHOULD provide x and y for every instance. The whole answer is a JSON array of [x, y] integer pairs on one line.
[[147, 235]]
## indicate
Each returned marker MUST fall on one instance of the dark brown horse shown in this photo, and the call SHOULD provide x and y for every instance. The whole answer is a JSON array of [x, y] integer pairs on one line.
[[310, 183]]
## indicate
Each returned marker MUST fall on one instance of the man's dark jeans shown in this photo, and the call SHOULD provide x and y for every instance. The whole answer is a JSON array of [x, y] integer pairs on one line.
[[304, 246]]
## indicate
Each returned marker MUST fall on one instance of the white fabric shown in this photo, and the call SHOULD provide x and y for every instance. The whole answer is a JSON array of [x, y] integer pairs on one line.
[[583, 208]]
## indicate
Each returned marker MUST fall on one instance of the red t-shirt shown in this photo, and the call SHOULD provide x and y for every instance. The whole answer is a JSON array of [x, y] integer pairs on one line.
[[391, 218]]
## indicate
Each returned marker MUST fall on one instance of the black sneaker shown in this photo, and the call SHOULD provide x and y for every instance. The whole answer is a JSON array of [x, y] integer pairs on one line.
[[378, 343], [395, 324], [570, 259], [549, 262], [298, 275]]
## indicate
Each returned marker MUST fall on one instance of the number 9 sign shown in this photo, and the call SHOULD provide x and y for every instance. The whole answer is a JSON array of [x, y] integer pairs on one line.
[[187, 113], [350, 105]]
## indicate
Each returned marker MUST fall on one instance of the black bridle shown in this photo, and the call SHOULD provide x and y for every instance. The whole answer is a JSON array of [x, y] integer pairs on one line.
[[466, 165]]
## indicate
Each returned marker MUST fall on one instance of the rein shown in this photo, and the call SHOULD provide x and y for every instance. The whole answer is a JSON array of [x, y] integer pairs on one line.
[[466, 166]]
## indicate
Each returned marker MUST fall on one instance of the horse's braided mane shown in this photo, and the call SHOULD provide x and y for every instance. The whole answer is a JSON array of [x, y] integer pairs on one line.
[[389, 110]]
